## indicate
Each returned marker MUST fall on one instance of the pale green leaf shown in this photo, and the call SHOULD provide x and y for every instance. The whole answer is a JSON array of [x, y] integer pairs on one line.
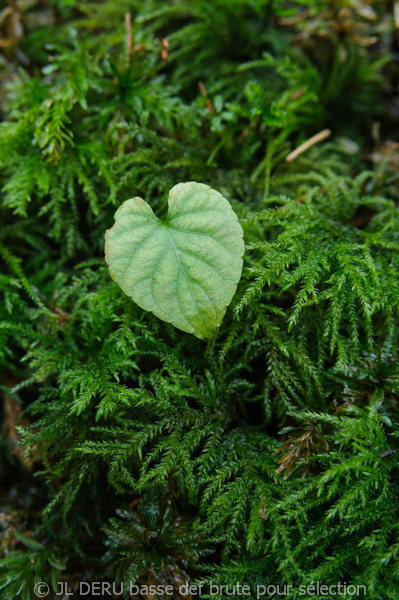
[[185, 269]]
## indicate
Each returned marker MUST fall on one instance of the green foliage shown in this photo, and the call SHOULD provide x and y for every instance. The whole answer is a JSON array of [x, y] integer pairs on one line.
[[23, 569], [268, 455], [153, 543]]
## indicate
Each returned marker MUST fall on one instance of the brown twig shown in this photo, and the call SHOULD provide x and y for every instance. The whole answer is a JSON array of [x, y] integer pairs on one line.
[[396, 14], [128, 27], [290, 21], [322, 135]]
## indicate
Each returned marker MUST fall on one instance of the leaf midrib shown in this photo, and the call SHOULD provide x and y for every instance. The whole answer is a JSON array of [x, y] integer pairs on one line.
[[188, 282]]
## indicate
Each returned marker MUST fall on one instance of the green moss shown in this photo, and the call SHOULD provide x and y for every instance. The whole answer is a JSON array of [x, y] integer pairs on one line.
[[269, 455]]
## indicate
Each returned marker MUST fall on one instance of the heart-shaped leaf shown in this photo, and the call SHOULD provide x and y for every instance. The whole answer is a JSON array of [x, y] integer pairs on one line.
[[185, 269]]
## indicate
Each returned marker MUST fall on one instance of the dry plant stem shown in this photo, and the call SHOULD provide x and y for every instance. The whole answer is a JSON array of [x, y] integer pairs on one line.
[[396, 13], [128, 27], [319, 137], [290, 21]]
